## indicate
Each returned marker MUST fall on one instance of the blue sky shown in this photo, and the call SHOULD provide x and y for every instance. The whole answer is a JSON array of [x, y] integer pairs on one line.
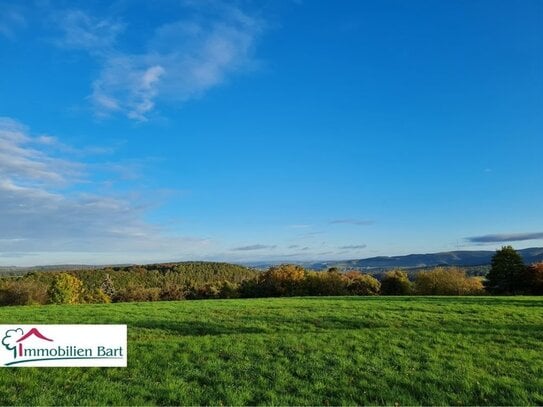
[[137, 131]]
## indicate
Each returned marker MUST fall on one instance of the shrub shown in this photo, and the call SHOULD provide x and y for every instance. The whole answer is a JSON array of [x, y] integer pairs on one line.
[[96, 296], [451, 281], [171, 291], [134, 292], [362, 284], [396, 282], [250, 288], [208, 291], [229, 290], [23, 292], [65, 289], [323, 283]]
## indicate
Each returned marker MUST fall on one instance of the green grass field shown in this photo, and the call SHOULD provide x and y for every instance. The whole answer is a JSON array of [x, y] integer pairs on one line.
[[300, 351]]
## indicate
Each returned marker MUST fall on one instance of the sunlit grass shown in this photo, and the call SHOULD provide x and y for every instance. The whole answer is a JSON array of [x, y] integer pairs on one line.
[[323, 351]]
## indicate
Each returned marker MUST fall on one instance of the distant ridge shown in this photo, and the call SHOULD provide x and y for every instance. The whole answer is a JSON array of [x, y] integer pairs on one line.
[[465, 258], [461, 258]]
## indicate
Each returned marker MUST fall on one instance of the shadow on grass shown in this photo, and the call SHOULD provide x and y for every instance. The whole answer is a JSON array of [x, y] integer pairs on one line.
[[450, 300], [196, 328], [279, 324]]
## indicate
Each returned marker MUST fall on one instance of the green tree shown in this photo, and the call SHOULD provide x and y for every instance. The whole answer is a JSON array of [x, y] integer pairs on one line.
[[65, 289], [506, 272]]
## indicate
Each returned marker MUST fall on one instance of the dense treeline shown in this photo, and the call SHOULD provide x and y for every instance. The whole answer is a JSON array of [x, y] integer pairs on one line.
[[174, 281], [200, 280]]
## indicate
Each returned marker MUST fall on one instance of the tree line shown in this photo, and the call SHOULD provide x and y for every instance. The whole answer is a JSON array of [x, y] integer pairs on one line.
[[200, 280]]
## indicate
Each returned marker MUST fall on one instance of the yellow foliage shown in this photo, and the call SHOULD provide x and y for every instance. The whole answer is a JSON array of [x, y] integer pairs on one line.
[[447, 281]]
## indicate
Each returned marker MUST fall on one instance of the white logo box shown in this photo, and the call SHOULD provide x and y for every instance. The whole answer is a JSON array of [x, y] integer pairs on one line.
[[63, 345]]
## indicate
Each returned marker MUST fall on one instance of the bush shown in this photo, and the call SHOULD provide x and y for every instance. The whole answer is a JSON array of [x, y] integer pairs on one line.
[[172, 292], [96, 296], [323, 283], [250, 289], [451, 281], [229, 290], [396, 282], [208, 291], [23, 292], [362, 284], [134, 292], [65, 289]]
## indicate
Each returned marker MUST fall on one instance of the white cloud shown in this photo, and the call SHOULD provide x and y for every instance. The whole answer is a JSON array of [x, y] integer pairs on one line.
[[24, 159], [82, 31], [41, 213], [356, 222], [353, 247], [254, 247], [179, 61]]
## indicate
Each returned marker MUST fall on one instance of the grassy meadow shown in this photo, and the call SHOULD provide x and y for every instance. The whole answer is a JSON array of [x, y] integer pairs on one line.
[[300, 351]]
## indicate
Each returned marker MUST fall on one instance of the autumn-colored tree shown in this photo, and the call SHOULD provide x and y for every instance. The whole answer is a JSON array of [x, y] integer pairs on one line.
[[447, 281], [285, 279], [533, 279], [65, 289], [22, 291], [96, 296], [362, 284], [136, 292], [172, 291]]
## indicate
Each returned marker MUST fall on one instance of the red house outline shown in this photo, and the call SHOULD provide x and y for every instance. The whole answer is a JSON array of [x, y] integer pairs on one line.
[[32, 332]]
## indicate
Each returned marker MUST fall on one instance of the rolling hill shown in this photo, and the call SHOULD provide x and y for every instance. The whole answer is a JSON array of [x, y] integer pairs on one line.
[[463, 258]]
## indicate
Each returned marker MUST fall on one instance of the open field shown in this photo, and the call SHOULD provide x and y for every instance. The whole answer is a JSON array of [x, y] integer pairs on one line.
[[299, 351]]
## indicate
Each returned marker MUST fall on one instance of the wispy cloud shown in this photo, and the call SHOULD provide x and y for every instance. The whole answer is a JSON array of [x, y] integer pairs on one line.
[[356, 222], [179, 61], [254, 247], [506, 237], [41, 212], [12, 19], [353, 247], [299, 226], [26, 160], [85, 32], [297, 246]]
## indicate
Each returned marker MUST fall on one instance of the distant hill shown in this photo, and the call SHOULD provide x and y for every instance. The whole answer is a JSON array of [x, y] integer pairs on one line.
[[461, 258], [17, 271], [465, 258]]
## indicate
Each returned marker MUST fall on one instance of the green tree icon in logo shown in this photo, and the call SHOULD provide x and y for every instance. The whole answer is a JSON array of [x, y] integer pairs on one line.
[[10, 340]]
